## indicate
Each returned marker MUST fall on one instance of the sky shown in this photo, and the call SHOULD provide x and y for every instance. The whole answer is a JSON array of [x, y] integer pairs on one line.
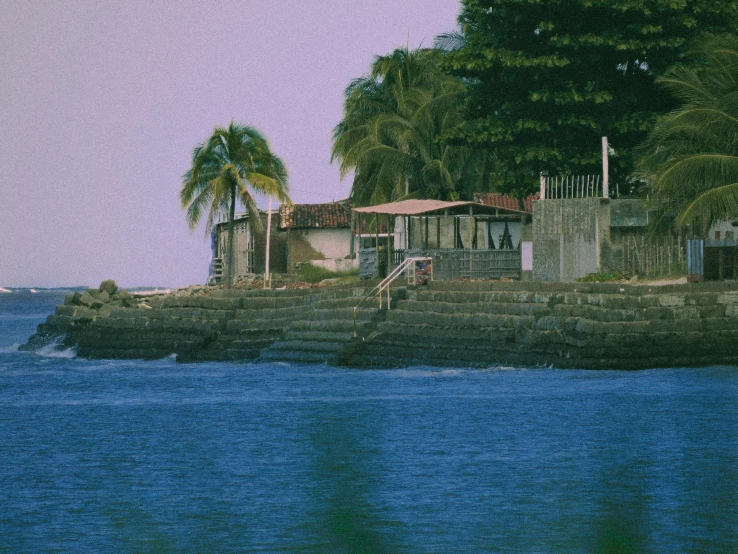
[[101, 104]]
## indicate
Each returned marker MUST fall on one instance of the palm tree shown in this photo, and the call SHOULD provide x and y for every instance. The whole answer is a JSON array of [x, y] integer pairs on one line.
[[223, 169], [389, 136], [691, 157]]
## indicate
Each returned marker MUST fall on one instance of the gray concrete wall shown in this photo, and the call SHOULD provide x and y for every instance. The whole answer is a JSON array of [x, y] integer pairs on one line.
[[571, 238]]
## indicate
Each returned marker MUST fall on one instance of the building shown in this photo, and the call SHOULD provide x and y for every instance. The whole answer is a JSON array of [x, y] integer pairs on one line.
[[320, 234], [249, 247], [465, 239]]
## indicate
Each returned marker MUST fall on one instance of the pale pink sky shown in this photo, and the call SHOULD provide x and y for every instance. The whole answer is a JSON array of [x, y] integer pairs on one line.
[[101, 104]]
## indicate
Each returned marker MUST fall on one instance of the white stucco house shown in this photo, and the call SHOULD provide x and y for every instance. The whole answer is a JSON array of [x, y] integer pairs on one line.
[[320, 234]]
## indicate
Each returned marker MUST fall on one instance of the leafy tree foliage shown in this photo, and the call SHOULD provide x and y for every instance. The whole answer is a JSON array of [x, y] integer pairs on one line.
[[548, 79], [691, 156], [223, 169], [389, 133]]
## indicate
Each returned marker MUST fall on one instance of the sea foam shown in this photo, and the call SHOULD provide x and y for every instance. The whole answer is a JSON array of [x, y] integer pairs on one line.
[[51, 351]]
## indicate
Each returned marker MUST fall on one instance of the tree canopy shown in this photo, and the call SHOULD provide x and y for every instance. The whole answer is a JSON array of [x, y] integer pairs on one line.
[[224, 168], [547, 79], [389, 135], [691, 156]]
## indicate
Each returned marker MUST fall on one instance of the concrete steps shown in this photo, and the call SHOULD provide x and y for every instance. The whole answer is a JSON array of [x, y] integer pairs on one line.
[[323, 334]]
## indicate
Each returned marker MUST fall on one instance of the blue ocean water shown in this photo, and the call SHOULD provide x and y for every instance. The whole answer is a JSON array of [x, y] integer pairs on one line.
[[133, 456]]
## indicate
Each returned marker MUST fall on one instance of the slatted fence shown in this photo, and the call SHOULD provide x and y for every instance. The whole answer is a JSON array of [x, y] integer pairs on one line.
[[662, 257]]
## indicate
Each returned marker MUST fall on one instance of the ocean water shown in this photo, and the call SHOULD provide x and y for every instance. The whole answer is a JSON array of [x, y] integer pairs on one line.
[[134, 456]]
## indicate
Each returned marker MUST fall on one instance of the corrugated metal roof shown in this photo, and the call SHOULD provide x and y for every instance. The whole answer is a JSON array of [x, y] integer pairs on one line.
[[420, 207], [413, 207]]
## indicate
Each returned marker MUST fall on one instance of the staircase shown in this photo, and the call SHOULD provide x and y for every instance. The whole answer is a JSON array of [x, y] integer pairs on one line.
[[323, 332]]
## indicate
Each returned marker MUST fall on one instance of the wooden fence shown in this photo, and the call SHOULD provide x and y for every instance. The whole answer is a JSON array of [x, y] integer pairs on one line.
[[660, 257], [573, 186]]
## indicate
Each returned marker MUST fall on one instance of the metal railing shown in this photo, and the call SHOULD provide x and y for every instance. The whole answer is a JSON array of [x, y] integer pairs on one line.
[[409, 265]]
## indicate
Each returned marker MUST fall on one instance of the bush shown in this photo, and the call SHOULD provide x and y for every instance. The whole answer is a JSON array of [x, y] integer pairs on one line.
[[313, 274], [601, 277]]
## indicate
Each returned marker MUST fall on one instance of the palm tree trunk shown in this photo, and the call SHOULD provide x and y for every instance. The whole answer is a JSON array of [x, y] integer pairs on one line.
[[229, 261]]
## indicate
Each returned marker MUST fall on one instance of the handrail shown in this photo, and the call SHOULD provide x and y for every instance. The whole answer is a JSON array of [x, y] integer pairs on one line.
[[387, 281]]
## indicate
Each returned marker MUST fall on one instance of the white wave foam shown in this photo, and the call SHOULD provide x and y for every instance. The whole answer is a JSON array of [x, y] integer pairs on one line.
[[49, 351], [52, 351], [425, 371], [152, 291], [34, 291], [2, 289]]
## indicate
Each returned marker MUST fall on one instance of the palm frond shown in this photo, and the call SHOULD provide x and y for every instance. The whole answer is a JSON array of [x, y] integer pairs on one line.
[[714, 204], [229, 160], [449, 42], [691, 155]]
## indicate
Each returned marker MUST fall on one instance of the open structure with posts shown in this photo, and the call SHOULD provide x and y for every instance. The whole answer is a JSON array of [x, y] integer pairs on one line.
[[464, 239]]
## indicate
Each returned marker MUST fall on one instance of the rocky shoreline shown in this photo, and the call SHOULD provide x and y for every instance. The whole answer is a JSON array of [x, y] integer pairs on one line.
[[457, 324]]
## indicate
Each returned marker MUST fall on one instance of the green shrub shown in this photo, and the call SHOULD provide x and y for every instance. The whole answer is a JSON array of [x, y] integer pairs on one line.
[[601, 277], [313, 274]]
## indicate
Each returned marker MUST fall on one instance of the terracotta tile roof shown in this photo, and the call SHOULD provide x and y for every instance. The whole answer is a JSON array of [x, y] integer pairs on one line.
[[504, 201], [336, 215]]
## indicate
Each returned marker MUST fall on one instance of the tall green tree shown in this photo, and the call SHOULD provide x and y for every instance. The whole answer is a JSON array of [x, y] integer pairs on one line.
[[691, 156], [389, 136], [548, 79], [224, 169]]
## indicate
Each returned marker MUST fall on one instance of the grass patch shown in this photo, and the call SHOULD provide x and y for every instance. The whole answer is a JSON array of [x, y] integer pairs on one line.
[[310, 273], [601, 277]]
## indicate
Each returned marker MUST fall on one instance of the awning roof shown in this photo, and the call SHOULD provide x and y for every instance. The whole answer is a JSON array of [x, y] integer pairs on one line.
[[420, 207]]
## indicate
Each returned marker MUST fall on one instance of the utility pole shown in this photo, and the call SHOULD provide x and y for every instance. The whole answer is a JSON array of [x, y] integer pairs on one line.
[[267, 276], [605, 176]]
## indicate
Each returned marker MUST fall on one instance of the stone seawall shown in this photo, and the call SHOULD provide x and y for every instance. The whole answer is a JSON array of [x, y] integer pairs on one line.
[[461, 324], [217, 325], [593, 326]]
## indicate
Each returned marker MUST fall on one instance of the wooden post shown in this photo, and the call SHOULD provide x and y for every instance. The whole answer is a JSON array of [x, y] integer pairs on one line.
[[352, 247], [376, 244], [471, 238], [267, 276], [358, 233], [425, 235], [389, 249]]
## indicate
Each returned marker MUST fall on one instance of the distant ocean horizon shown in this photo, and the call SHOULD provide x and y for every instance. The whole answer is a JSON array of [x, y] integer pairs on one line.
[[36, 290], [157, 456]]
